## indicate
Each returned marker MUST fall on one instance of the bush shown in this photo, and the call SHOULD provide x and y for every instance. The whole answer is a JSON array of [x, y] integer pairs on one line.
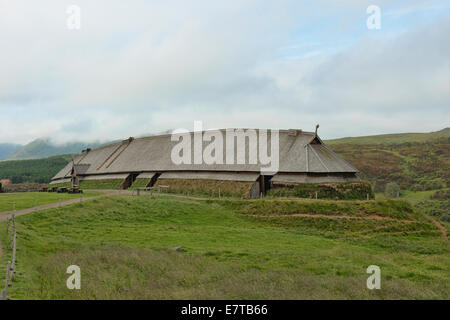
[[436, 209], [441, 195], [331, 190], [434, 184], [392, 190]]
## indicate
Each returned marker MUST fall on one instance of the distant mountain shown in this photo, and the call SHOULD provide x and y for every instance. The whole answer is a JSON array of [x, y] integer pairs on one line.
[[7, 149], [43, 148]]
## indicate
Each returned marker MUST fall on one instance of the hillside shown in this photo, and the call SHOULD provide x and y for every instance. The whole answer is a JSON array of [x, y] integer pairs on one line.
[[416, 161], [34, 170], [43, 148], [397, 138], [7, 149], [232, 249]]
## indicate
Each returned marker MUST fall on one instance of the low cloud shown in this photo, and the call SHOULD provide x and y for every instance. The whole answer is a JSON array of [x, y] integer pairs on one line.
[[141, 68]]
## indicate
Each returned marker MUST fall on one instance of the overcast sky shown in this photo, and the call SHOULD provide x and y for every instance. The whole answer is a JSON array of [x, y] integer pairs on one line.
[[138, 67]]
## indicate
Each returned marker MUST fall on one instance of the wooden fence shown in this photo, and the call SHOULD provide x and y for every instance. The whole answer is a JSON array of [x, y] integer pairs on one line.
[[11, 265]]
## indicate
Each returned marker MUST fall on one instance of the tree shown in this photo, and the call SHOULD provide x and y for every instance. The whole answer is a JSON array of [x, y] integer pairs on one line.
[[392, 190]]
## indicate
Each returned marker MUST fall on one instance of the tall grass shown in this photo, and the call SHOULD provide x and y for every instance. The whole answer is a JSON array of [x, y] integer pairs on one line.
[[123, 246]]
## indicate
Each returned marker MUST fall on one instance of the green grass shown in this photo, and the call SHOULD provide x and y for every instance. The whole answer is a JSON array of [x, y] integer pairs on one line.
[[206, 187], [139, 183], [107, 184], [426, 202], [27, 200], [233, 249]]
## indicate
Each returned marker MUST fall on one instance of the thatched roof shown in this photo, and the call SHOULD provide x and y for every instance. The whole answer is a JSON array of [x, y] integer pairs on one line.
[[299, 152]]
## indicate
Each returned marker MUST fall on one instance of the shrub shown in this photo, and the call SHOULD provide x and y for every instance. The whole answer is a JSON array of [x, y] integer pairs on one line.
[[434, 184], [436, 209], [441, 195], [392, 190]]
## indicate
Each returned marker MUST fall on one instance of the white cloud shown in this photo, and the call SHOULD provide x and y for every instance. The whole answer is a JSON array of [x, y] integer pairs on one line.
[[149, 66]]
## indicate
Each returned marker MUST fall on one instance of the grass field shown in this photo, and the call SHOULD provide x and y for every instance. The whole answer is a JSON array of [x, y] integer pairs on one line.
[[233, 249], [427, 203], [27, 200]]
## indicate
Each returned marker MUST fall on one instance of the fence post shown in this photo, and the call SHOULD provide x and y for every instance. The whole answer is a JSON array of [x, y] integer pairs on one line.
[[13, 265], [219, 193], [5, 292], [13, 226], [316, 195], [35, 205]]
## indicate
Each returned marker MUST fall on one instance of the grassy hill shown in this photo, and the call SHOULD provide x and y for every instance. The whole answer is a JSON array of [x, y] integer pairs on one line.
[[232, 249], [416, 161], [397, 138], [43, 148], [36, 170]]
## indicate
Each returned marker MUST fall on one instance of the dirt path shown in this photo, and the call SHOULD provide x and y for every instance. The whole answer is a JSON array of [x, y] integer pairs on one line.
[[6, 214], [443, 230]]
